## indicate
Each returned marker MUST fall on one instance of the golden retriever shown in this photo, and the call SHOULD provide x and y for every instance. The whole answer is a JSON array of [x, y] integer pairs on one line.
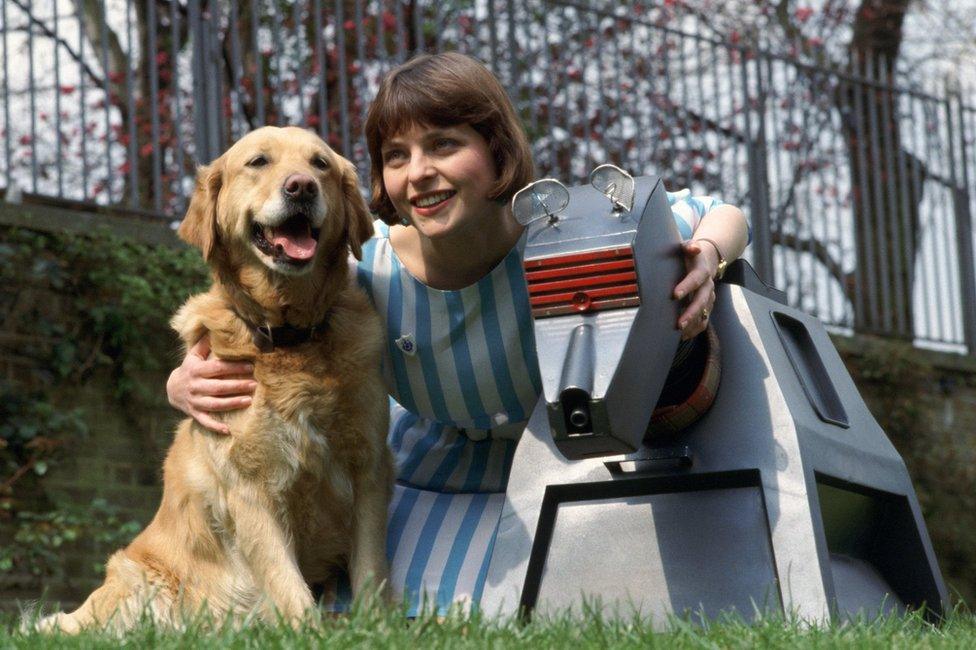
[[302, 484]]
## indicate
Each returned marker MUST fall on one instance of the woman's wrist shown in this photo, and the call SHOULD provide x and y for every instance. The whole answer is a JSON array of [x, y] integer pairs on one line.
[[713, 254]]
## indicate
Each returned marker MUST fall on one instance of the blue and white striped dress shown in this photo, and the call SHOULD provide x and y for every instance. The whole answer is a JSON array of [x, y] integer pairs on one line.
[[461, 370]]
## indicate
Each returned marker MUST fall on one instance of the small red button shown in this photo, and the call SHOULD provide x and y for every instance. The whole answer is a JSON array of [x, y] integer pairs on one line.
[[581, 301]]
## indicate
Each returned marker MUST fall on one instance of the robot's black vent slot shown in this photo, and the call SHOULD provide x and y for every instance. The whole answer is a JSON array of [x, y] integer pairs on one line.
[[810, 370], [876, 552]]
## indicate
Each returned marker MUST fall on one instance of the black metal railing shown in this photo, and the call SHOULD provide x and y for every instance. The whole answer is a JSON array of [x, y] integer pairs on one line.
[[857, 179]]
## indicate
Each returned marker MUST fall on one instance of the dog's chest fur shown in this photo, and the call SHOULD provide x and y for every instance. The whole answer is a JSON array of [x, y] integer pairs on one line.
[[297, 427], [313, 425]]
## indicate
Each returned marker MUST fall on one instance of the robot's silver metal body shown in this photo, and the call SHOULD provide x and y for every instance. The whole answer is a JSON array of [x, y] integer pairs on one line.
[[785, 497]]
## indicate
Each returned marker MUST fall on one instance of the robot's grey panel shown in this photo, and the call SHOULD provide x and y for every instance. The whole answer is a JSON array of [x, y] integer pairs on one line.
[[739, 272], [610, 328], [640, 375], [703, 551]]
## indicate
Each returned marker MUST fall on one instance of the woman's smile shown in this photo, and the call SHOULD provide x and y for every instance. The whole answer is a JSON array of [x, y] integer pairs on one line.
[[427, 204]]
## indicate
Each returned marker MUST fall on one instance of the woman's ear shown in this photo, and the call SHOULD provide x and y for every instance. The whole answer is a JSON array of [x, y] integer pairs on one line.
[[199, 227], [359, 222]]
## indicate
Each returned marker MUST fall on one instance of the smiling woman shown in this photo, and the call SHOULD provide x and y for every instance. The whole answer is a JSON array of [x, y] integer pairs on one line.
[[447, 153]]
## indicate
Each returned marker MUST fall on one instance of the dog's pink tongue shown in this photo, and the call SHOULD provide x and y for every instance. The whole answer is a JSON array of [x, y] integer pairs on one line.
[[295, 239]]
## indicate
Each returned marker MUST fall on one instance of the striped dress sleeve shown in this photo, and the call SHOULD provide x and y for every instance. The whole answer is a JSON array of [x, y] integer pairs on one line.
[[689, 210]]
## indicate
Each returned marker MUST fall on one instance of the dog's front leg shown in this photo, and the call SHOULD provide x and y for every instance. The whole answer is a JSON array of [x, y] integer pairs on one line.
[[367, 563], [269, 552]]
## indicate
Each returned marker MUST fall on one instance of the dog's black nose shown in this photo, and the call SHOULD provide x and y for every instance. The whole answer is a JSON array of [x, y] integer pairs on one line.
[[301, 187]]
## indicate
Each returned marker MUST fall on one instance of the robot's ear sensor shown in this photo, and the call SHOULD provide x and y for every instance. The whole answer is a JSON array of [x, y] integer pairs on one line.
[[615, 184], [545, 198]]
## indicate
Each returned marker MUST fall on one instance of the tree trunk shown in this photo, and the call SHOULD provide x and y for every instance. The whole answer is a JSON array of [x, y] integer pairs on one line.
[[886, 180]]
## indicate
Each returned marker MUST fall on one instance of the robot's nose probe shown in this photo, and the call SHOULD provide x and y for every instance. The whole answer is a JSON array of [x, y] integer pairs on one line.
[[579, 417], [576, 381]]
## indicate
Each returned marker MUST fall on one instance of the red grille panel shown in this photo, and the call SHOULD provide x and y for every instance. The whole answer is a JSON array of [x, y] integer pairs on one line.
[[582, 282]]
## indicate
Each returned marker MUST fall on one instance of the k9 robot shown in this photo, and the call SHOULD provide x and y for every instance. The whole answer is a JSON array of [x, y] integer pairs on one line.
[[784, 497]]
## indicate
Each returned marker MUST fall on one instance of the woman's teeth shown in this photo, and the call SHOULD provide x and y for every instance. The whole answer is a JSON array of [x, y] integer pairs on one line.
[[433, 199]]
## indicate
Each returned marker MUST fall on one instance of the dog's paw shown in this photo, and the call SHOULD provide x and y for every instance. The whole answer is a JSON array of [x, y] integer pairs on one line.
[[59, 622]]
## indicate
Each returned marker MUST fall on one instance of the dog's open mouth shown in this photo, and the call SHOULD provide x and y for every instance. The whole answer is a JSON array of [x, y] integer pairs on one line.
[[293, 242]]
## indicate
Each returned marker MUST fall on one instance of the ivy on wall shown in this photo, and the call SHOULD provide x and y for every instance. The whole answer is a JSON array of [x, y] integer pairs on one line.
[[71, 306], [905, 390]]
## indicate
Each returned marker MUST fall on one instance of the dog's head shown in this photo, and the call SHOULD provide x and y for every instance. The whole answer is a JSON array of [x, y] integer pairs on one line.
[[276, 198]]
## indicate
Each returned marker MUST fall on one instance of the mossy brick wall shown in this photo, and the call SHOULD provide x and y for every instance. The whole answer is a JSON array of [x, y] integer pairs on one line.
[[119, 457], [118, 460]]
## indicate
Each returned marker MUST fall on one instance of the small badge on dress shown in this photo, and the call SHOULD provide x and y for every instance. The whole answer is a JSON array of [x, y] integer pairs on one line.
[[407, 345]]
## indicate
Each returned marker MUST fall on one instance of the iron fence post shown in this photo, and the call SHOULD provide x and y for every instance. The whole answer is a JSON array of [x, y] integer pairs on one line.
[[208, 132], [758, 182], [200, 139], [214, 82], [967, 272], [964, 223]]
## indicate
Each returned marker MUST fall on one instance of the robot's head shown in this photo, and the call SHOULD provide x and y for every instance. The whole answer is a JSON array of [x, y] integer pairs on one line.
[[600, 263]]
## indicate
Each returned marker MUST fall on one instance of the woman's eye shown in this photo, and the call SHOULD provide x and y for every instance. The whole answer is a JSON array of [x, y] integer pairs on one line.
[[257, 161], [320, 162], [445, 143], [393, 155]]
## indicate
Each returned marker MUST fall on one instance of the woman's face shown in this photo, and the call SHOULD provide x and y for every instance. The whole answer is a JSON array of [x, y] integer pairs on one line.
[[439, 179]]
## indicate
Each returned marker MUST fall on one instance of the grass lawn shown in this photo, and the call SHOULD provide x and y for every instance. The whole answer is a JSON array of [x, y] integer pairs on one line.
[[387, 628]]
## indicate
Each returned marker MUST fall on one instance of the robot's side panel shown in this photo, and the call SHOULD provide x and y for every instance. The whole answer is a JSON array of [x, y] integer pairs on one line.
[[704, 551]]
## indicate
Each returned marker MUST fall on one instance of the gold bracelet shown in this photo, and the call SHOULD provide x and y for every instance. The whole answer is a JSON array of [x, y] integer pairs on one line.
[[722, 262]]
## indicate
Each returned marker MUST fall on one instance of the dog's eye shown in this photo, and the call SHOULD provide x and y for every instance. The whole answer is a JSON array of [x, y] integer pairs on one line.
[[257, 161], [320, 162]]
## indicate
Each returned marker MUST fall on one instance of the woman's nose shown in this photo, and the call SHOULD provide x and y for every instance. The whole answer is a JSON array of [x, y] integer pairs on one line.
[[420, 168]]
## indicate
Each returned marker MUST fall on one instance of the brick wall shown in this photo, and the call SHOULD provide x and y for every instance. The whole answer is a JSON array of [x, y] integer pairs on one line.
[[119, 460]]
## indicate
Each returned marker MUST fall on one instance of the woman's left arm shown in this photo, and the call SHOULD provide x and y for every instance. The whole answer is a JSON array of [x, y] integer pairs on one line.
[[727, 233]]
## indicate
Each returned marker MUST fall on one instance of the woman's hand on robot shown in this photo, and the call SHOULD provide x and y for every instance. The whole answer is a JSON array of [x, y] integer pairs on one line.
[[698, 286], [202, 385]]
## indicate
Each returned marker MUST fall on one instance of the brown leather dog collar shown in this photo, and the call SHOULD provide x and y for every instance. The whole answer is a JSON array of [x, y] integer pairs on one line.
[[267, 338]]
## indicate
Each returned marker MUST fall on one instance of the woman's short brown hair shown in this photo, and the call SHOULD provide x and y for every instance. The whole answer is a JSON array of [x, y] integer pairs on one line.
[[440, 90]]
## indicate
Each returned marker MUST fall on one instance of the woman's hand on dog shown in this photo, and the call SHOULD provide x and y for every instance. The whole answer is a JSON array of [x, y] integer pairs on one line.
[[698, 286], [202, 385]]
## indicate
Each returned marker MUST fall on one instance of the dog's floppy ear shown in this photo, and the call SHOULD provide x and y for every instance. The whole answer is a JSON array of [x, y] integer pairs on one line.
[[199, 227], [359, 222]]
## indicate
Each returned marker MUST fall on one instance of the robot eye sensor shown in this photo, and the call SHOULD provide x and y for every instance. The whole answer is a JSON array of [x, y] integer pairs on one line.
[[615, 184], [545, 198]]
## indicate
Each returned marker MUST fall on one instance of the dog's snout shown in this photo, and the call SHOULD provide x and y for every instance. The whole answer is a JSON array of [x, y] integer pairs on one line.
[[300, 186]]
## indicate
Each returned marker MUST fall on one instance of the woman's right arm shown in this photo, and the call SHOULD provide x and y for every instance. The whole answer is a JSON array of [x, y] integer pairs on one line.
[[202, 385]]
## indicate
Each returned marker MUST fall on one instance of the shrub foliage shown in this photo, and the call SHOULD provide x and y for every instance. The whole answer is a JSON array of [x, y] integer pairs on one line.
[[73, 305]]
